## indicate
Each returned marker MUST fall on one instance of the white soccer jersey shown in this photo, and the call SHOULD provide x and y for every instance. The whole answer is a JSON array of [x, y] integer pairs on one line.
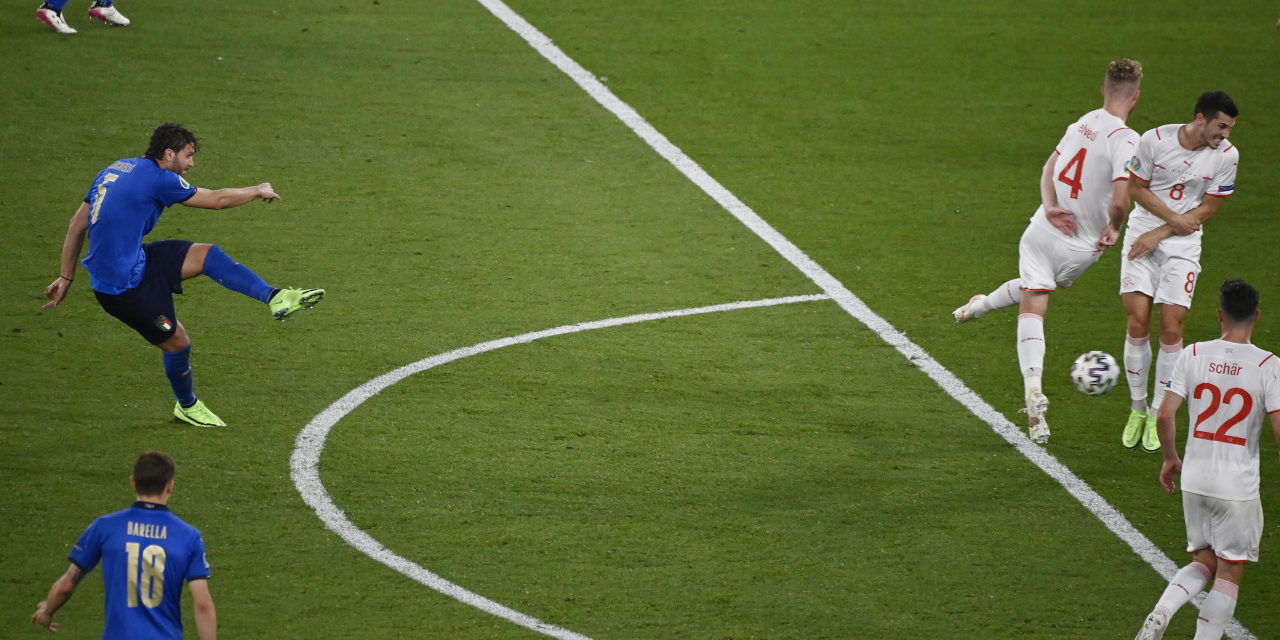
[[1230, 388], [1093, 153], [1179, 177]]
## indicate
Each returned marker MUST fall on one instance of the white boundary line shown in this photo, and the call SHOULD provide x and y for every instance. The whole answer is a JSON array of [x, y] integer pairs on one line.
[[304, 465], [1113, 519]]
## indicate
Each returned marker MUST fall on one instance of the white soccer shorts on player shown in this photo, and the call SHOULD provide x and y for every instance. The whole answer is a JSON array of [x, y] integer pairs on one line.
[[1046, 260], [1166, 275], [1232, 527]]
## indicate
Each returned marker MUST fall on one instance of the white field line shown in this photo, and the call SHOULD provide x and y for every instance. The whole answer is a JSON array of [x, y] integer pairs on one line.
[[1113, 519], [304, 465]]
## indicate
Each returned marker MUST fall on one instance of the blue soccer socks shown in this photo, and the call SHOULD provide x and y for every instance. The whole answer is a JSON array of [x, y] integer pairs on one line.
[[177, 367], [235, 276]]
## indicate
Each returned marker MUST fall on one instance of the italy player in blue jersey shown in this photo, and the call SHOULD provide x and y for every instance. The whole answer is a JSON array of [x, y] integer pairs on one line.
[[147, 553], [135, 281]]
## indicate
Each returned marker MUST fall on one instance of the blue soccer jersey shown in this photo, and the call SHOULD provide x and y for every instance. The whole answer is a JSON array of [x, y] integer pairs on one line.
[[147, 554], [125, 202]]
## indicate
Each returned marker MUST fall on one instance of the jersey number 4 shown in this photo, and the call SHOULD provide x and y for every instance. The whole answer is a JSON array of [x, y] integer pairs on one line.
[[1216, 400], [145, 581], [1075, 167]]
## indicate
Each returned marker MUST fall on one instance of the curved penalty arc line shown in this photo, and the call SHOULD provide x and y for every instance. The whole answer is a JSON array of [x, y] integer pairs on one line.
[[304, 464]]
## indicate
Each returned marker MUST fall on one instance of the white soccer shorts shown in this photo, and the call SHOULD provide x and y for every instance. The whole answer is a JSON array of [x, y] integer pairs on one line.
[[1232, 527], [1168, 275], [1047, 260]]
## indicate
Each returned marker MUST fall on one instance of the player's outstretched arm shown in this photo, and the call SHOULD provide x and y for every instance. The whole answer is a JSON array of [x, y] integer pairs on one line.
[[59, 593], [71, 246], [202, 604], [231, 196]]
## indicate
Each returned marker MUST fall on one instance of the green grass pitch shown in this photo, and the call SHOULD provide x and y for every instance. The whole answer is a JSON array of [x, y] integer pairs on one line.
[[773, 472]]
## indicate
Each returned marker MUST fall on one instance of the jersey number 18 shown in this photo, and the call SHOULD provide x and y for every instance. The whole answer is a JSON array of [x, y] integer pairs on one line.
[[150, 584]]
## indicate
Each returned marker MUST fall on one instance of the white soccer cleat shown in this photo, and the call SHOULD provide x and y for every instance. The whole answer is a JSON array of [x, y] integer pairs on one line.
[[1153, 626], [108, 14], [1037, 426], [972, 310], [54, 19]]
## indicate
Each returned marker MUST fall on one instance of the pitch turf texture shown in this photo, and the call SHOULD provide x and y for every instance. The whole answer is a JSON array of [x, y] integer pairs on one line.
[[777, 472]]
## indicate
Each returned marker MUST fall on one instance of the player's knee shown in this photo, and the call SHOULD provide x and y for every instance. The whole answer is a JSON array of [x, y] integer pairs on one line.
[[177, 341], [1170, 335], [194, 264], [1139, 325]]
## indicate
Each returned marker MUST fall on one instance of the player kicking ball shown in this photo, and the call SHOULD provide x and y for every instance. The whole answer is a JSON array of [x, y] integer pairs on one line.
[[135, 282], [1083, 202]]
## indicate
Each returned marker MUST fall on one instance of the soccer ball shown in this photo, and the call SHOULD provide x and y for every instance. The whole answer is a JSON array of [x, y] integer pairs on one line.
[[1095, 373]]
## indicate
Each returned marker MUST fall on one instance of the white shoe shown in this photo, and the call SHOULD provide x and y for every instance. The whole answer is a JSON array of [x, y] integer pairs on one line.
[[1153, 626], [108, 15], [54, 20], [971, 310], [1037, 426]]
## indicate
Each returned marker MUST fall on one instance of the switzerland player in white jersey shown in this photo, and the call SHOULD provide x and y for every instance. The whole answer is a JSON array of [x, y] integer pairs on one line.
[[1231, 388], [1083, 203], [1182, 173]]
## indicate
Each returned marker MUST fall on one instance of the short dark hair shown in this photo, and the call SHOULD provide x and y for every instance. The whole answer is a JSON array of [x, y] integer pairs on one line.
[[152, 471], [1211, 103], [170, 135], [1238, 301]]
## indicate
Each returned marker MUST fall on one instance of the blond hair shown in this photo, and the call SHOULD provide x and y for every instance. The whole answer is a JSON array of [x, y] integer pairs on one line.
[[1123, 77]]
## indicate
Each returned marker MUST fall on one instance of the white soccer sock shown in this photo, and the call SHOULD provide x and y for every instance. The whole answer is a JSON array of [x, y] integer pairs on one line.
[[1137, 360], [1005, 295], [1186, 583], [1217, 609], [1031, 350], [1164, 370]]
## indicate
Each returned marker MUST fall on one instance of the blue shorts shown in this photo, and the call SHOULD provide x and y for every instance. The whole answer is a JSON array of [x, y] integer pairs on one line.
[[148, 307]]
